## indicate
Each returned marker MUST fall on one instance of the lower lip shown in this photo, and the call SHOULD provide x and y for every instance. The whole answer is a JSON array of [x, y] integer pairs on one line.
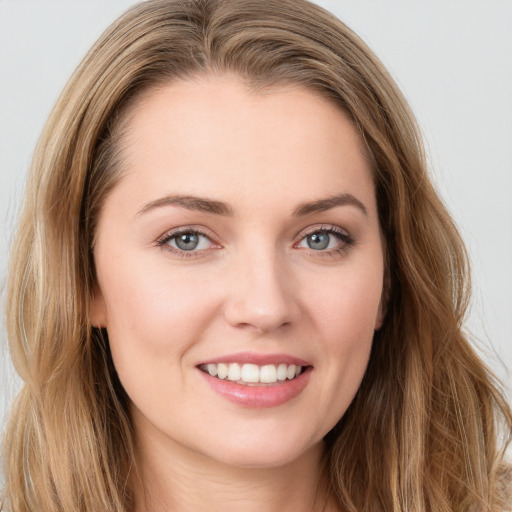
[[259, 396]]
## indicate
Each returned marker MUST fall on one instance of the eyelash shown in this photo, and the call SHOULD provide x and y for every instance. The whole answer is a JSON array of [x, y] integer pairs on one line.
[[343, 236]]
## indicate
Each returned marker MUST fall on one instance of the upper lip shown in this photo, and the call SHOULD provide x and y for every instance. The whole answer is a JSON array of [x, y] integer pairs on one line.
[[255, 358]]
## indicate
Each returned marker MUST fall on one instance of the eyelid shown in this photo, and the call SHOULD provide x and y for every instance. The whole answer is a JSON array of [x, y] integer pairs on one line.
[[184, 229], [330, 228]]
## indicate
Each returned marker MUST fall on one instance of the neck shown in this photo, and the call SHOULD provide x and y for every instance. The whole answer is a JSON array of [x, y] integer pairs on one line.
[[171, 478]]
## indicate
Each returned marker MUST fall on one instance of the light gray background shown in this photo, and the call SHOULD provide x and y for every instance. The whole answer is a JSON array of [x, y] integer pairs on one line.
[[452, 58]]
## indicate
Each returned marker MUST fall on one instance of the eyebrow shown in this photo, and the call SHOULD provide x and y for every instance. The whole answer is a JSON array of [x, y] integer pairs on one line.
[[323, 205], [206, 205], [191, 203]]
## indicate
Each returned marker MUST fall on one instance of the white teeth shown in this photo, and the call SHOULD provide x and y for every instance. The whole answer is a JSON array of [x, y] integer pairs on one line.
[[282, 372], [234, 371], [268, 373], [222, 370], [252, 373]]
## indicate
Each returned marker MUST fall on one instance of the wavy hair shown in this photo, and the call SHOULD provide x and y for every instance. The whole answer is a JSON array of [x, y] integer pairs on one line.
[[428, 427]]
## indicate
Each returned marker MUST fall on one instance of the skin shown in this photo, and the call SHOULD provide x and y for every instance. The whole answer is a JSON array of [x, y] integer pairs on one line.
[[253, 285]]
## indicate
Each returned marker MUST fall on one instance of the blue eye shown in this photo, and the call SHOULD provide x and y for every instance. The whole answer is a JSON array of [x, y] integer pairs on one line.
[[318, 241], [326, 240], [186, 241]]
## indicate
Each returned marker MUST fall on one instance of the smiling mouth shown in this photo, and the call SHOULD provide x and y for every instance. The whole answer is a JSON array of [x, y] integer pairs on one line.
[[252, 374]]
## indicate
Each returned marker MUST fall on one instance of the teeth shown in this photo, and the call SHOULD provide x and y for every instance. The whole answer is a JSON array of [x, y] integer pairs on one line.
[[282, 372], [234, 371], [290, 373], [252, 373], [268, 373], [222, 370]]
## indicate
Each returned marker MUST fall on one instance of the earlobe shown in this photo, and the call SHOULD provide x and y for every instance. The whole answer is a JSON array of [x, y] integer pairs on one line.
[[98, 314]]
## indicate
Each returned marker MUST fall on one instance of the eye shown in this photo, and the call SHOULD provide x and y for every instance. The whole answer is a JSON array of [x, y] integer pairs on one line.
[[318, 241], [185, 241], [329, 239], [188, 241]]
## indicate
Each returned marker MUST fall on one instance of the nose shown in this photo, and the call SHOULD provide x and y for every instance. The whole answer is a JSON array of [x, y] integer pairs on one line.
[[262, 295]]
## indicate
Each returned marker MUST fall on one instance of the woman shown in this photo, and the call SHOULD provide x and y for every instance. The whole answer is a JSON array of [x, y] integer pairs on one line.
[[234, 285]]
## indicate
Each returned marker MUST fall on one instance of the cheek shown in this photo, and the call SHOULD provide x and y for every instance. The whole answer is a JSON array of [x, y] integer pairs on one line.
[[154, 316], [153, 319], [344, 309], [346, 305]]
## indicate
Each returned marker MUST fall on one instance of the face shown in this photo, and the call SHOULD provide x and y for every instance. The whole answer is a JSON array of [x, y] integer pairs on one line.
[[240, 270]]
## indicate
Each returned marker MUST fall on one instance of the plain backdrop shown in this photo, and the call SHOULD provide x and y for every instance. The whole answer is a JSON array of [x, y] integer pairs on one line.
[[452, 59]]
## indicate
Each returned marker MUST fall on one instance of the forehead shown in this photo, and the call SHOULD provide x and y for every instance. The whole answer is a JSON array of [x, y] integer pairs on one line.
[[215, 136]]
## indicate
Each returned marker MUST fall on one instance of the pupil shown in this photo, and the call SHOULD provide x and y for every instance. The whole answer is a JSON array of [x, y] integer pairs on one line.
[[187, 241], [318, 241]]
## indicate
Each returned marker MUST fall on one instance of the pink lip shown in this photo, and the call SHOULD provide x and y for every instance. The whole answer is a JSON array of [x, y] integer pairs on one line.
[[254, 358], [264, 395]]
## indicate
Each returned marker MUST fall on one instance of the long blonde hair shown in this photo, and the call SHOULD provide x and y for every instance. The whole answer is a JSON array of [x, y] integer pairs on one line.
[[428, 426]]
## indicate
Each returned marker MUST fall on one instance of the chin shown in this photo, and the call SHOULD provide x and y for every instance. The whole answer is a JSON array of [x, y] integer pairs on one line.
[[265, 452]]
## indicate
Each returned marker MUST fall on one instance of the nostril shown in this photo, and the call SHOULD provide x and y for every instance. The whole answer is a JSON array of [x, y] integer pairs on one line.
[[247, 315]]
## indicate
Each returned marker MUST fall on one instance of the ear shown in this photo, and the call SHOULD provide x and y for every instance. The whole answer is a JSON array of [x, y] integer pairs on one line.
[[98, 315]]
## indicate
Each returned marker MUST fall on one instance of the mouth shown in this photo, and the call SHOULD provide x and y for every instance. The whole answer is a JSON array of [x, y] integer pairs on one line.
[[256, 380], [250, 374]]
